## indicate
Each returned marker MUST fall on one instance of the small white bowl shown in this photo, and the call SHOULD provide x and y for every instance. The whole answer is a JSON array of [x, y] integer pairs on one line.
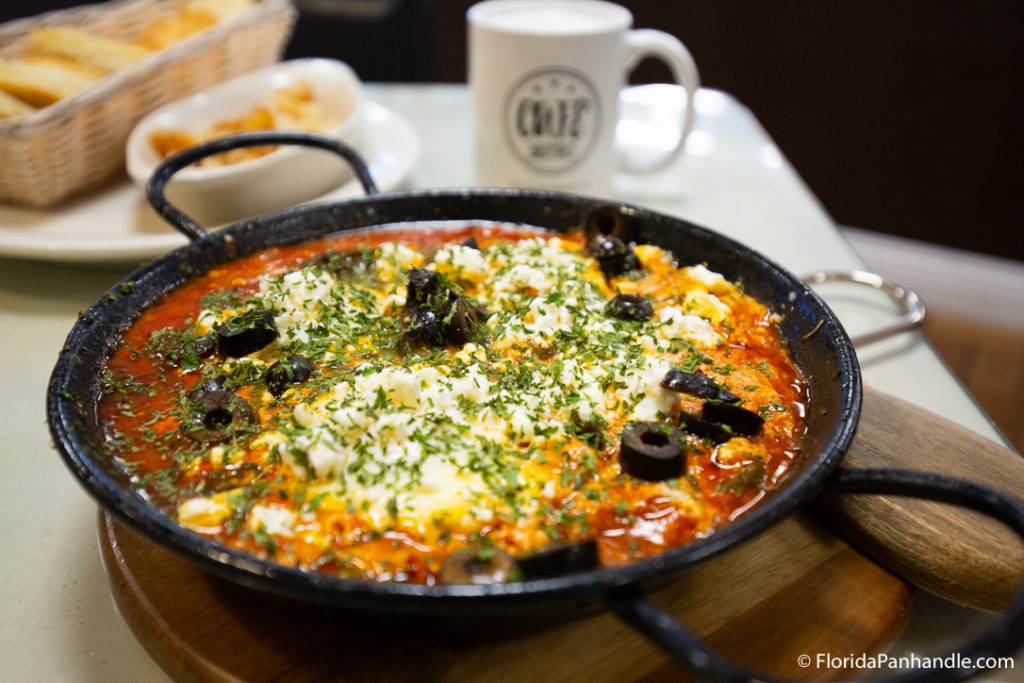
[[217, 195]]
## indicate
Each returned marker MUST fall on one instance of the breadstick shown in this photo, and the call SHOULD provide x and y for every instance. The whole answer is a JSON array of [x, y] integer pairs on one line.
[[11, 106], [85, 47], [40, 84]]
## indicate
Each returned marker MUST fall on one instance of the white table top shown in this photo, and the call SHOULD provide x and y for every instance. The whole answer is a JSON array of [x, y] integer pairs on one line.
[[59, 622]]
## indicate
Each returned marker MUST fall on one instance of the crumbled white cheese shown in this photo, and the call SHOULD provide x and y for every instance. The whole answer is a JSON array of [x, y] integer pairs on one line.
[[416, 442], [706, 306], [273, 520], [549, 317], [295, 298], [675, 324], [462, 263], [523, 276], [645, 381], [715, 282], [203, 515]]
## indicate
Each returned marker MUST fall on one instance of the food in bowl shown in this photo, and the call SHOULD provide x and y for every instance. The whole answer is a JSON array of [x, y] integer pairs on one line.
[[288, 108], [443, 404], [218, 195]]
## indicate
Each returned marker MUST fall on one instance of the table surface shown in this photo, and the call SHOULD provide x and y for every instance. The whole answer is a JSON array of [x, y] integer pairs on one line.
[[59, 622]]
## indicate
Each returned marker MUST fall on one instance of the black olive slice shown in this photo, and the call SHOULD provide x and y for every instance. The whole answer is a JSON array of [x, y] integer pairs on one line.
[[215, 383], [204, 345], [456, 322], [692, 424], [697, 384], [559, 559], [629, 307], [477, 565], [458, 319], [216, 415], [246, 333], [613, 255], [604, 220], [471, 244], [422, 285], [284, 373], [479, 313], [653, 451], [423, 327], [742, 421], [588, 431]]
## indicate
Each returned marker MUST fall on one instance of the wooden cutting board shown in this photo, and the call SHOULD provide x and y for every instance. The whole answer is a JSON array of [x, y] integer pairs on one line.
[[796, 589]]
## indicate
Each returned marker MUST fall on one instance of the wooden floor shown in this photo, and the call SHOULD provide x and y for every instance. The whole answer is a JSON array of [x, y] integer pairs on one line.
[[975, 317]]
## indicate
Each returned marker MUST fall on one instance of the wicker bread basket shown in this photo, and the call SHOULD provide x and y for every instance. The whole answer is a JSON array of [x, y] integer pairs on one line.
[[78, 143]]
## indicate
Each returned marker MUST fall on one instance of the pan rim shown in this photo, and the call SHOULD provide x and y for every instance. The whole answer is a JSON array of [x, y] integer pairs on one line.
[[63, 415]]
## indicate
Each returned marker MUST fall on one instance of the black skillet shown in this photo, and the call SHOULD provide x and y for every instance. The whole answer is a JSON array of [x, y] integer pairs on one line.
[[818, 343]]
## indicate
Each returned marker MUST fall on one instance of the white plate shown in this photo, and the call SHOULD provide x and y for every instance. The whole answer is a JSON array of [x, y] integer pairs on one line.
[[116, 224]]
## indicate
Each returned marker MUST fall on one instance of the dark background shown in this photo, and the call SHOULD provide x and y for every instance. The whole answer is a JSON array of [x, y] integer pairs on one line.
[[904, 117]]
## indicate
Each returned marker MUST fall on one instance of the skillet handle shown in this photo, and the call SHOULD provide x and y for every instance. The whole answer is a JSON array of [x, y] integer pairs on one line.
[[912, 309], [1000, 640], [955, 553], [163, 173]]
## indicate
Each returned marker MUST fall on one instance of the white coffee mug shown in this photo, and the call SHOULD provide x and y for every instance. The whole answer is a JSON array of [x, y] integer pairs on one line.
[[545, 77]]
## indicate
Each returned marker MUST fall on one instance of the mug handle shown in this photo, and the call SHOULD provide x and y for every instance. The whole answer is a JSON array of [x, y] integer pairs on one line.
[[647, 42]]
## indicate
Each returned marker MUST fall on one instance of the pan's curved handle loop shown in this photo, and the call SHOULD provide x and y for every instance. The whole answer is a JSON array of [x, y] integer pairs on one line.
[[910, 304], [1000, 640], [163, 173]]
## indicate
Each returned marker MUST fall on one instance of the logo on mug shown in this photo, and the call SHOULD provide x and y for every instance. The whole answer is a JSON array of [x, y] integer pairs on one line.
[[552, 117]]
